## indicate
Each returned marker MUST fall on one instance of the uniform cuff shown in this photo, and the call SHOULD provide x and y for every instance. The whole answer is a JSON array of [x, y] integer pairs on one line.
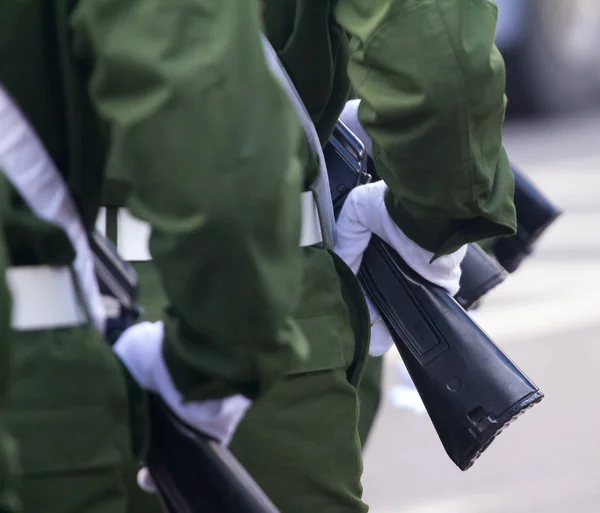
[[443, 237]]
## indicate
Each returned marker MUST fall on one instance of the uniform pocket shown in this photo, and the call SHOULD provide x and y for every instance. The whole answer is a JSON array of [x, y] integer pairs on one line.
[[359, 319], [322, 315], [327, 339]]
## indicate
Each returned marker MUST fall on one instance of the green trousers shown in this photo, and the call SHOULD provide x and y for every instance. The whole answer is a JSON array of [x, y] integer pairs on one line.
[[9, 501], [299, 441], [70, 414]]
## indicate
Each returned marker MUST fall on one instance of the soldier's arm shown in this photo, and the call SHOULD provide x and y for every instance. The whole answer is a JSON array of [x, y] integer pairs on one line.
[[432, 86], [207, 138]]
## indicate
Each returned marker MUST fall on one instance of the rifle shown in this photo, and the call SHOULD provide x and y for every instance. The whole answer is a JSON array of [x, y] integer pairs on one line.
[[535, 214], [470, 388]]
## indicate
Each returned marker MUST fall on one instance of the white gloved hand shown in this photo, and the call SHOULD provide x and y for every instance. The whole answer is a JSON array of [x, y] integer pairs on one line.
[[364, 213], [140, 349]]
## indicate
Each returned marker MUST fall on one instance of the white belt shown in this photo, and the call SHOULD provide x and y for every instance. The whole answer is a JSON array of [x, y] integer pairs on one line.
[[44, 297], [311, 233], [133, 235]]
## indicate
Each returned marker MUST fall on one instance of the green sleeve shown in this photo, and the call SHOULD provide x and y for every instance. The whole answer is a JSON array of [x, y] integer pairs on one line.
[[432, 86], [209, 142], [9, 502]]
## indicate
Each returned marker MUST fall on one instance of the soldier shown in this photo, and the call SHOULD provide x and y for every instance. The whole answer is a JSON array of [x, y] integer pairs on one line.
[[432, 85], [432, 88], [143, 94]]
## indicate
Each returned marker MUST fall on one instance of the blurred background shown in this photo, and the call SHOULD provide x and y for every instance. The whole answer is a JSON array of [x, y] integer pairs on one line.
[[545, 316]]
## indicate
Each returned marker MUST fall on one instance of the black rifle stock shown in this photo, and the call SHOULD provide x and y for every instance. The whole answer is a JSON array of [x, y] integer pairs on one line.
[[479, 275], [470, 388]]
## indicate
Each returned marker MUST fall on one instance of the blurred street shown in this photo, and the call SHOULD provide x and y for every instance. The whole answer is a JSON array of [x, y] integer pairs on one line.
[[547, 318]]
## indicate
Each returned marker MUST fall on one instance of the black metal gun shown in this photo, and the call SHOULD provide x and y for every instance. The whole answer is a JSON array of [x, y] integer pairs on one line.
[[194, 473], [471, 389], [349, 166], [479, 275]]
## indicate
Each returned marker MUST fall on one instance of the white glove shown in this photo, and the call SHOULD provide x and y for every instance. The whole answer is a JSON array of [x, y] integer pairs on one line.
[[364, 213], [140, 349]]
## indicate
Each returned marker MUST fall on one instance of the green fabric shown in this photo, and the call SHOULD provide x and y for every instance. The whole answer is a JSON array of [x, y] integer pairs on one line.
[[81, 491], [323, 317], [143, 97], [194, 149], [210, 170], [322, 314], [314, 50], [358, 316], [9, 471], [70, 414], [432, 88], [420, 68], [300, 443], [313, 386], [37, 67], [309, 419], [369, 396], [5, 304], [9, 502]]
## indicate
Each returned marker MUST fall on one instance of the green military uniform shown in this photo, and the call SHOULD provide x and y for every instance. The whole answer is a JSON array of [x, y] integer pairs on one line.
[[420, 68], [432, 88], [146, 94], [9, 502], [431, 84]]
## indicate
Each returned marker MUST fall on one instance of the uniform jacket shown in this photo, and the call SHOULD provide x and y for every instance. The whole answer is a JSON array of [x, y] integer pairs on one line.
[[432, 84], [147, 102]]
